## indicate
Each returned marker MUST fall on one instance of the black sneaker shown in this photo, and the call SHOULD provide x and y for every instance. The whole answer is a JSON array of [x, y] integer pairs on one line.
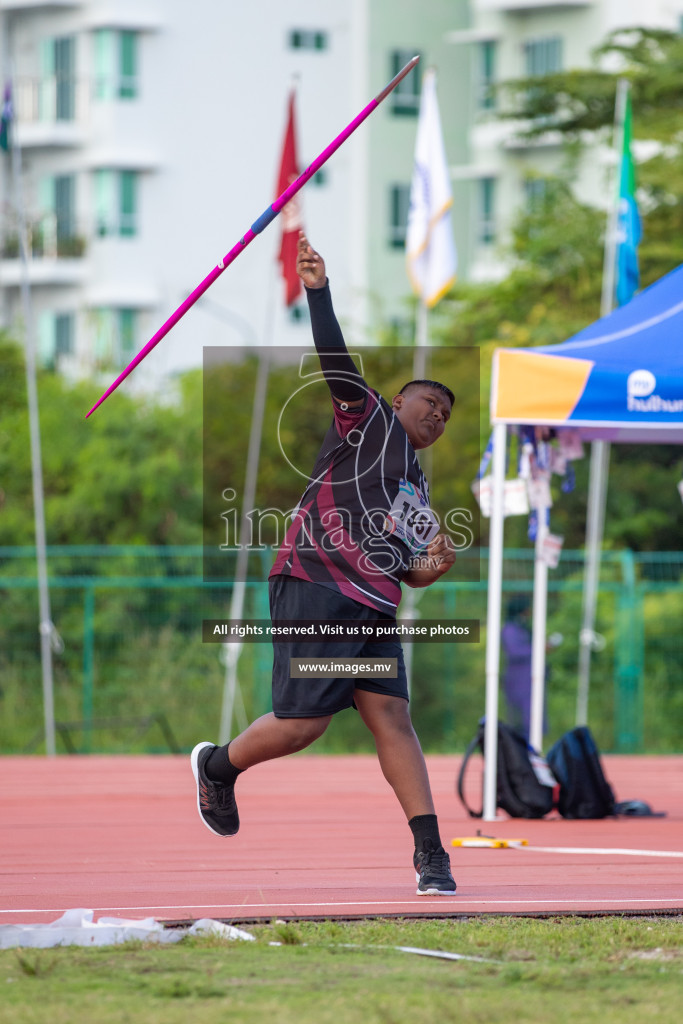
[[215, 800], [433, 869]]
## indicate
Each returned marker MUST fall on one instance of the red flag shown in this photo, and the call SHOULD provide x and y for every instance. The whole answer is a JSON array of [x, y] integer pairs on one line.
[[290, 215]]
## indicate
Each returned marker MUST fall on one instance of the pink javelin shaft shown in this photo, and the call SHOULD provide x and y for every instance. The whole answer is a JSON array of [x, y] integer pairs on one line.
[[266, 217]]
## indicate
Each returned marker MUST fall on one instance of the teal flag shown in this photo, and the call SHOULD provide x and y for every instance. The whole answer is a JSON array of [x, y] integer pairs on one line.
[[6, 118], [628, 220]]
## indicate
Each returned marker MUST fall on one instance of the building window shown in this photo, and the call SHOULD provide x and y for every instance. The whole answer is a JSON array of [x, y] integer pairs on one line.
[[55, 338], [116, 64], [64, 205], [543, 56], [116, 203], [56, 233], [64, 334], [405, 99], [487, 75], [486, 233], [57, 95], [308, 39], [115, 334], [399, 203], [127, 323]]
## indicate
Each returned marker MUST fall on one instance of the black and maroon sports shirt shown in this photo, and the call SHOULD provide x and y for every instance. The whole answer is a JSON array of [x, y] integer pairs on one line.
[[365, 512]]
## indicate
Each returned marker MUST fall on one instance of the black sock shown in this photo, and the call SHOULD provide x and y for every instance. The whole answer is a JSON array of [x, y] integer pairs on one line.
[[425, 826], [220, 768]]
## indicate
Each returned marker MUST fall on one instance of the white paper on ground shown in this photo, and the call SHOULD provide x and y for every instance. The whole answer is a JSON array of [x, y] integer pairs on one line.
[[442, 954], [77, 928]]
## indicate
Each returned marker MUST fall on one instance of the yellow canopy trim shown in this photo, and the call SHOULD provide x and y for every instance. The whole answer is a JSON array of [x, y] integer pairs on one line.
[[536, 388]]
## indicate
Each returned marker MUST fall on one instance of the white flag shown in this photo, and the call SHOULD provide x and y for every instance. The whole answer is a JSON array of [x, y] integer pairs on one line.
[[430, 249]]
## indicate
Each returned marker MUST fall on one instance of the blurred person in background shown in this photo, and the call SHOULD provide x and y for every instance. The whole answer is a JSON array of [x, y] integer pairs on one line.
[[516, 642]]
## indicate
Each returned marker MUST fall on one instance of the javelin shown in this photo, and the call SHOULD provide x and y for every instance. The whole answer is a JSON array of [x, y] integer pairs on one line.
[[266, 217]]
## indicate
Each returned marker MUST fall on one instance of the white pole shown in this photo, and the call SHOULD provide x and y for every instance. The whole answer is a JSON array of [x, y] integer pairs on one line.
[[358, 219], [597, 497], [493, 622], [421, 342], [409, 603], [46, 626], [408, 610], [538, 634], [600, 450], [232, 651]]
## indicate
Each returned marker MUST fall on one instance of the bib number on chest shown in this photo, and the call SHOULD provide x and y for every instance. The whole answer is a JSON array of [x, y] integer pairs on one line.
[[411, 519]]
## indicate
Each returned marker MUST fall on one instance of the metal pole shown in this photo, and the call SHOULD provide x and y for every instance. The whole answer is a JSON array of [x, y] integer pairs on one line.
[[46, 626], [88, 665], [232, 651], [600, 450], [421, 342], [597, 497], [493, 622], [538, 634], [409, 604], [408, 607]]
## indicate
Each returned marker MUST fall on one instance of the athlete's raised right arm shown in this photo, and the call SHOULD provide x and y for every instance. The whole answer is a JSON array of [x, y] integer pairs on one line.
[[339, 369], [310, 266]]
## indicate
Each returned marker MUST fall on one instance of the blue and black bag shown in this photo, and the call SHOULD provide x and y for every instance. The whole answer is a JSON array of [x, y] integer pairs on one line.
[[524, 785], [584, 791]]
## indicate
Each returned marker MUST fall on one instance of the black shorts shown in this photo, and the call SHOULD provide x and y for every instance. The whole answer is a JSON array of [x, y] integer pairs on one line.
[[295, 599]]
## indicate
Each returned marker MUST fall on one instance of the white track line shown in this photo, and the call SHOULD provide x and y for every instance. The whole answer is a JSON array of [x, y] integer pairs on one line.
[[600, 850], [457, 903]]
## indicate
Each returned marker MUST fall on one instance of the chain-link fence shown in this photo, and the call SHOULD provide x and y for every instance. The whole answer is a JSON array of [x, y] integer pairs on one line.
[[132, 674]]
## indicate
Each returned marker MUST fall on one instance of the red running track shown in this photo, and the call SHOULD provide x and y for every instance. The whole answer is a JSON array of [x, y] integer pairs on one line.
[[321, 837]]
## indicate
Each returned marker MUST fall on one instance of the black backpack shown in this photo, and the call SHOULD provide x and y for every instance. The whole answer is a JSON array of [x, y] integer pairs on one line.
[[520, 770], [575, 762]]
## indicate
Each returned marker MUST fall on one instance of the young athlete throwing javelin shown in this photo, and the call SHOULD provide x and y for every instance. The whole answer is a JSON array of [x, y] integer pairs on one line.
[[362, 527]]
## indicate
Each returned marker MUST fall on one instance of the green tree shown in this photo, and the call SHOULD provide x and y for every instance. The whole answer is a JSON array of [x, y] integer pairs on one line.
[[129, 474], [556, 249], [580, 104], [555, 252]]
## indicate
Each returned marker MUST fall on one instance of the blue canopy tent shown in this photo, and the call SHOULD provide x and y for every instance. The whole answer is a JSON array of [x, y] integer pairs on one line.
[[619, 380]]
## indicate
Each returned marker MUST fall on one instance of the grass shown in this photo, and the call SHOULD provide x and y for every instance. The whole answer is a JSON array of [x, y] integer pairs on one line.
[[562, 970]]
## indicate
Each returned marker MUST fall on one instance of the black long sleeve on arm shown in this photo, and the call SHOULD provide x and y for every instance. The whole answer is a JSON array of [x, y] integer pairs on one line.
[[343, 379]]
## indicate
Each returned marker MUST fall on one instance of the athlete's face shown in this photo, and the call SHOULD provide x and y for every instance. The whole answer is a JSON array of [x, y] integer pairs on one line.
[[423, 413]]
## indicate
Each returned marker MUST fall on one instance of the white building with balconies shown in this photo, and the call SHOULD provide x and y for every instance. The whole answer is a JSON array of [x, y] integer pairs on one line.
[[150, 134], [151, 131], [508, 39]]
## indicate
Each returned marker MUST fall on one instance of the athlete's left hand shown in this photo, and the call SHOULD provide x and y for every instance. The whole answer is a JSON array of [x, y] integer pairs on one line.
[[441, 552], [439, 557]]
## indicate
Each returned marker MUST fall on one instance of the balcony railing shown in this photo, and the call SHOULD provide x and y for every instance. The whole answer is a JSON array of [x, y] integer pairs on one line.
[[48, 238], [53, 99]]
